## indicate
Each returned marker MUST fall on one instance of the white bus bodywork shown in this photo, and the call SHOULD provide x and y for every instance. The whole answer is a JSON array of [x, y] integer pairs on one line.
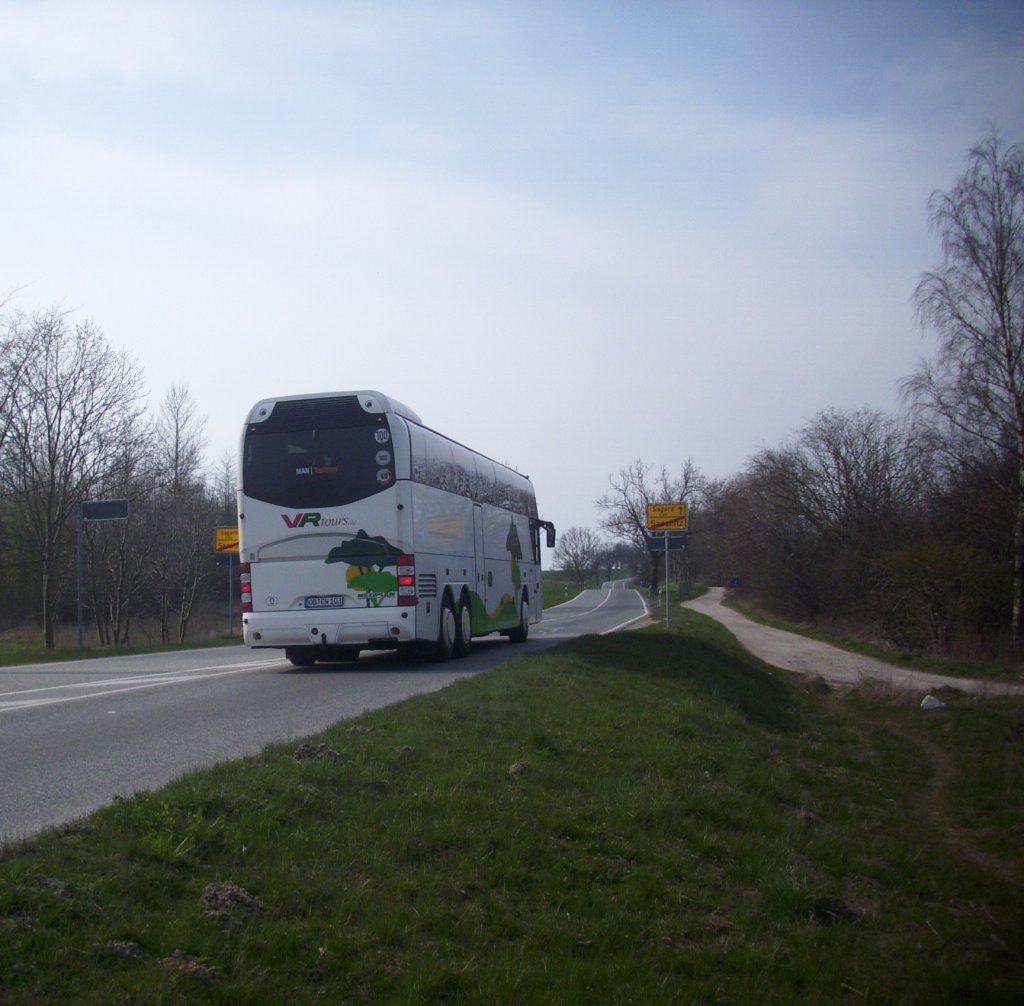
[[443, 548]]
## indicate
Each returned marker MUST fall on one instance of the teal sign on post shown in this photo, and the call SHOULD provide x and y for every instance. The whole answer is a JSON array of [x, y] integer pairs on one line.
[[104, 510], [90, 512], [675, 543]]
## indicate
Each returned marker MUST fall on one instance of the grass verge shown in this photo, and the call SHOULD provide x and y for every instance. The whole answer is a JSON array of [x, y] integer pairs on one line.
[[558, 588], [14, 652], [650, 817]]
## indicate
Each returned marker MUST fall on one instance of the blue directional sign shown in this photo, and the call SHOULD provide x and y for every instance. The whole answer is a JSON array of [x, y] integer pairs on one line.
[[676, 542], [104, 510]]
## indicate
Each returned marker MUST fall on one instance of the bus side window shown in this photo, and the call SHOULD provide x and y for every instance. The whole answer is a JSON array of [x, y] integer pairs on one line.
[[418, 448], [464, 470], [484, 480], [440, 470]]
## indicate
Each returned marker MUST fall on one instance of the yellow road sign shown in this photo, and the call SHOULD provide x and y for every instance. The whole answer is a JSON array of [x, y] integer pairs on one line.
[[225, 540], [666, 516]]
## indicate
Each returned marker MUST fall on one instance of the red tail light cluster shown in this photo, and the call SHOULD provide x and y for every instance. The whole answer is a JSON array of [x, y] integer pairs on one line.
[[406, 580], [245, 578]]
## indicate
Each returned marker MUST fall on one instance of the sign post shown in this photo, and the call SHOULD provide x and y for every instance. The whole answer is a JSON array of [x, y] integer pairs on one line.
[[225, 544], [92, 511], [664, 518]]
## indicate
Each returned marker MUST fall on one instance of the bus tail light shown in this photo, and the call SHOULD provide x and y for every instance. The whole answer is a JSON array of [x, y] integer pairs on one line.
[[406, 580], [245, 579]]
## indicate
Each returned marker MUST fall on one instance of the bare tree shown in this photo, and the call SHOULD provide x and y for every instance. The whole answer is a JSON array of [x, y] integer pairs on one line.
[[576, 552], [182, 513], [66, 420], [755, 530], [225, 488], [184, 567], [180, 439], [615, 555], [15, 350], [120, 553], [624, 506], [838, 496], [975, 303]]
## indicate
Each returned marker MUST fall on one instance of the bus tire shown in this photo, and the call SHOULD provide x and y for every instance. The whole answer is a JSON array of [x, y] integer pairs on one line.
[[300, 656], [463, 628], [447, 631], [522, 631]]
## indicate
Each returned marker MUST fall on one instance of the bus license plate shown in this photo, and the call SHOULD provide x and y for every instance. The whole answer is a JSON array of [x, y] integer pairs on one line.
[[326, 601]]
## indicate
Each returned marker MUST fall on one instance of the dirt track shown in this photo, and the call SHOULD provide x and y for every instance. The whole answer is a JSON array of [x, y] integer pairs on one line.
[[838, 667]]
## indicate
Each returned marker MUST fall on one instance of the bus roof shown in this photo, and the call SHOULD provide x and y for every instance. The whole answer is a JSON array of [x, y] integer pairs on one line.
[[371, 401]]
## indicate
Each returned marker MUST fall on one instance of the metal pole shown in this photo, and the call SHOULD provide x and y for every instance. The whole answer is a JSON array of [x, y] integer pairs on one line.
[[231, 593], [79, 575], [666, 581]]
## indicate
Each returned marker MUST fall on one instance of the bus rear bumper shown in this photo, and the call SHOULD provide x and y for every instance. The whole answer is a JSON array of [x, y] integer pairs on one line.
[[391, 626]]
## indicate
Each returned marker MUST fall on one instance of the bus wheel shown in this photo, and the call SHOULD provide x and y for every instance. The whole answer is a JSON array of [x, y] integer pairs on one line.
[[464, 627], [447, 633], [300, 656], [522, 630]]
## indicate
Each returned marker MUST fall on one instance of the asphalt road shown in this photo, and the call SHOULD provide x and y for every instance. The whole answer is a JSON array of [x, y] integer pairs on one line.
[[74, 735]]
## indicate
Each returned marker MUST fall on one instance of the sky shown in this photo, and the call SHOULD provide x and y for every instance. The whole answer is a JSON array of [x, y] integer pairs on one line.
[[570, 235]]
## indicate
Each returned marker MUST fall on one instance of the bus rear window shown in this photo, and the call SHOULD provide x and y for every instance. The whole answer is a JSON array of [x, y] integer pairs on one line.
[[320, 458]]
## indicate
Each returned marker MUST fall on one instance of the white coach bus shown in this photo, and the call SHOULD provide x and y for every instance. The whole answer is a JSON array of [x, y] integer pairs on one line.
[[362, 529]]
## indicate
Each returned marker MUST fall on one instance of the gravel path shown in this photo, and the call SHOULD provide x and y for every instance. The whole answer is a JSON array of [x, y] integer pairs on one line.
[[838, 667]]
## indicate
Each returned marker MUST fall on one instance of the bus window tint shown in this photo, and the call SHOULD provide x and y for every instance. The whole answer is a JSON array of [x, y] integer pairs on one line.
[[485, 480], [446, 464], [440, 470], [317, 467], [465, 472], [418, 449]]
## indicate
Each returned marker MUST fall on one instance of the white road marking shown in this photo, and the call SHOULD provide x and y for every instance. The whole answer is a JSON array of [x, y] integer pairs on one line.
[[11, 701], [607, 595]]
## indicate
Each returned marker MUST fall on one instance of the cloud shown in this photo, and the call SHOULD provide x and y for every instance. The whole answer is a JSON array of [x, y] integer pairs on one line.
[[65, 41], [682, 235], [958, 82]]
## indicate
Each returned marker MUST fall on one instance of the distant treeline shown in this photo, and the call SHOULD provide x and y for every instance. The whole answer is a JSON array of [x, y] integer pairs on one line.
[[74, 428], [866, 521], [908, 528]]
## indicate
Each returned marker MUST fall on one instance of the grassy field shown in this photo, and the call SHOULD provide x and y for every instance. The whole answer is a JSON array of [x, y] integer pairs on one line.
[[561, 586], [651, 817], [24, 651], [558, 589]]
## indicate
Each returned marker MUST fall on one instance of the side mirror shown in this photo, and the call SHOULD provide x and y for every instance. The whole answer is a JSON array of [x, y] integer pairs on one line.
[[549, 529]]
